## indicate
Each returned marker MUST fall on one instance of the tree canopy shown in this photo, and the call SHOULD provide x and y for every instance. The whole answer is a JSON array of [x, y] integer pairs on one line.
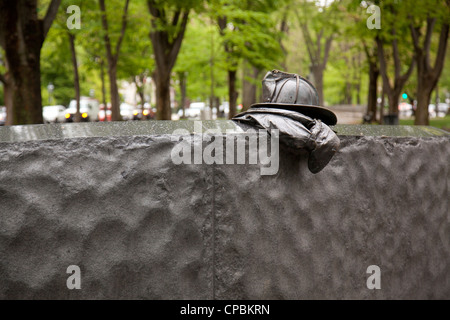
[[218, 51]]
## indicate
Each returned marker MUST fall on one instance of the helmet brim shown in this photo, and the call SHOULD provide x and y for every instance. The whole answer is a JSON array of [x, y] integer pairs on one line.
[[325, 115]]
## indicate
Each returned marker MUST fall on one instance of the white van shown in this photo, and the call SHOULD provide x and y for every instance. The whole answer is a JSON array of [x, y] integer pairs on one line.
[[53, 114], [194, 111], [89, 109]]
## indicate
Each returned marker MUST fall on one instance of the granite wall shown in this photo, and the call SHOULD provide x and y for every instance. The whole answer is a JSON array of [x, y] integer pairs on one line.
[[109, 199]]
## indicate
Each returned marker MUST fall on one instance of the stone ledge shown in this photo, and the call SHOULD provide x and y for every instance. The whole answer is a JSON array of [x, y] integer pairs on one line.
[[132, 128]]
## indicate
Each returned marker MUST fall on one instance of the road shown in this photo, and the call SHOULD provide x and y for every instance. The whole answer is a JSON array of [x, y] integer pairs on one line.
[[348, 114]]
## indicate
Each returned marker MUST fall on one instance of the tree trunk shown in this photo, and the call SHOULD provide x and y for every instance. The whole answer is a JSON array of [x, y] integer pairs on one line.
[[437, 98], [140, 92], [356, 61], [140, 84], [317, 72], [284, 29], [393, 91], [141, 96], [249, 88], [167, 36], [7, 94], [358, 94], [183, 81], [113, 57], [382, 106], [102, 79], [76, 77], [24, 69], [212, 77], [114, 93], [231, 69], [26, 88], [163, 107], [232, 93], [427, 75], [393, 99], [425, 87], [423, 99], [348, 93], [22, 34], [372, 94]]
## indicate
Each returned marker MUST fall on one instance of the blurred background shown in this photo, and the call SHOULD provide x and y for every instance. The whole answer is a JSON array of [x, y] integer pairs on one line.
[[374, 62]]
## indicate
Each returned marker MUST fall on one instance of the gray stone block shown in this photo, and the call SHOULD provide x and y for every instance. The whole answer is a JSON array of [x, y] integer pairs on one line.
[[108, 198]]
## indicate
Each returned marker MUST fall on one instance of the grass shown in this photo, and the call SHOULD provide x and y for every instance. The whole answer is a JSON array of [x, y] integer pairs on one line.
[[441, 123]]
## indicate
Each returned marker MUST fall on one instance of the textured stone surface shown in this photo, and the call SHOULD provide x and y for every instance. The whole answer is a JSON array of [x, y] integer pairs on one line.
[[141, 227], [297, 235], [137, 225]]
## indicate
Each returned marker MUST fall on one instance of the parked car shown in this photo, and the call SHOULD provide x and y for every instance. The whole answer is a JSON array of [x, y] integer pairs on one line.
[[2, 116], [148, 113], [194, 110], [405, 109], [224, 110], [127, 111], [89, 109], [54, 114], [440, 112]]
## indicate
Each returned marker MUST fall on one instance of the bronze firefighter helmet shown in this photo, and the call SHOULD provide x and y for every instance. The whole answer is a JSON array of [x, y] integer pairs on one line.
[[290, 91]]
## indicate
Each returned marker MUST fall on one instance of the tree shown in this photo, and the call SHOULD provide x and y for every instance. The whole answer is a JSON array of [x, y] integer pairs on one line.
[[200, 68], [169, 21], [57, 56], [249, 81], [92, 48], [75, 75], [350, 54], [283, 19], [136, 63], [56, 66], [22, 34], [374, 73], [248, 32], [396, 65], [71, 35], [318, 25], [194, 62], [393, 90], [252, 75], [113, 56], [356, 14], [427, 74]]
